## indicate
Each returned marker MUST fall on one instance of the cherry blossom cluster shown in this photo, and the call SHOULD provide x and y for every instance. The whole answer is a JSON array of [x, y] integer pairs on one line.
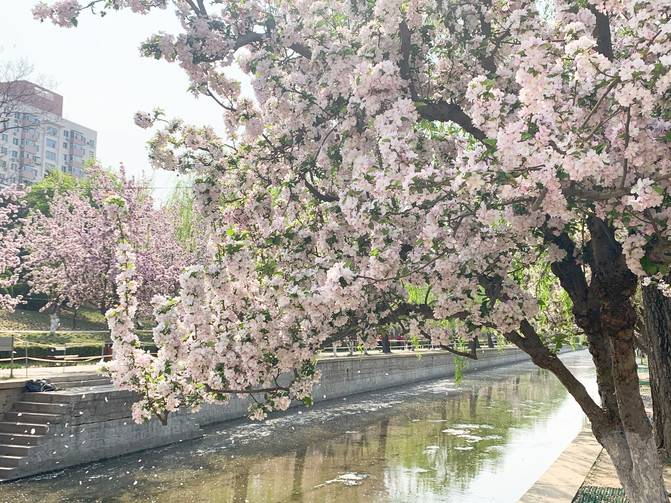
[[393, 145]]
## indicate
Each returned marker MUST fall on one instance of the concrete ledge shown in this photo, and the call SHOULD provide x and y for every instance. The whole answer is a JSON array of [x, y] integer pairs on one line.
[[560, 482]]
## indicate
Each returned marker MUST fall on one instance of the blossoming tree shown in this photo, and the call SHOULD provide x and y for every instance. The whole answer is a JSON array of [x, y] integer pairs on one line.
[[390, 144], [71, 247], [10, 244]]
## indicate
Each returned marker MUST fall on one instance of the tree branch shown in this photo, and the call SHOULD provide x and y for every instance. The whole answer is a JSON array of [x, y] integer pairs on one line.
[[449, 112], [325, 198], [604, 44], [229, 391]]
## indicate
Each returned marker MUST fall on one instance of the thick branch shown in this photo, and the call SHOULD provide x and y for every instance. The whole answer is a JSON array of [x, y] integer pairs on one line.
[[570, 275], [325, 198], [532, 345], [604, 44], [444, 112], [404, 64], [254, 37]]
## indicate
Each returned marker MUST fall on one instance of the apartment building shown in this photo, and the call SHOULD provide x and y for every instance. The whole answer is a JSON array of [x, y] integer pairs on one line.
[[35, 137]]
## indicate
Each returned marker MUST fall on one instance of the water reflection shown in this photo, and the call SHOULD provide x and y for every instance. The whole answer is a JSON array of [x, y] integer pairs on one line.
[[487, 440]]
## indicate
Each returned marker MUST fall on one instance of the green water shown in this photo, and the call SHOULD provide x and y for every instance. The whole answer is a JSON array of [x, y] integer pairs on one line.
[[486, 440]]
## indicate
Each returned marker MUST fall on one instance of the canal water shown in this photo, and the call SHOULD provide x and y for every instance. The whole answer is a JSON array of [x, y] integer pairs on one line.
[[487, 439]]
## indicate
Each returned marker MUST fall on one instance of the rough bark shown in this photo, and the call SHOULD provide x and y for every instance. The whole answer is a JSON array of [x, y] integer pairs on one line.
[[657, 336], [603, 308]]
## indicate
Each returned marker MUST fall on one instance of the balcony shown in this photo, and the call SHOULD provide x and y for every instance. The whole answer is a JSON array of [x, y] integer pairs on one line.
[[30, 149], [76, 141], [25, 135], [27, 175]]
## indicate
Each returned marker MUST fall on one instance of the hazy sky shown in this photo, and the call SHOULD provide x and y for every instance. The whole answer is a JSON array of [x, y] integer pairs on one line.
[[104, 81]]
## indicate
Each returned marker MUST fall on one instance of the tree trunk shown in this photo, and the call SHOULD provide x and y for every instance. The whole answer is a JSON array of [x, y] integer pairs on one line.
[[657, 336], [386, 345], [603, 308], [74, 319], [54, 321]]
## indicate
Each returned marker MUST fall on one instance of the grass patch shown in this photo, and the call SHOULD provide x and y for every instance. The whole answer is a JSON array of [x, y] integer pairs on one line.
[[87, 319], [89, 323]]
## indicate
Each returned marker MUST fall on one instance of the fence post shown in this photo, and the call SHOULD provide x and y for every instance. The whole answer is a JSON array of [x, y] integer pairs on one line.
[[26, 346]]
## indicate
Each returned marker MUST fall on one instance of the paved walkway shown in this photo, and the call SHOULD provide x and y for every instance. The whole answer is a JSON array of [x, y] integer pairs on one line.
[[560, 482], [47, 372]]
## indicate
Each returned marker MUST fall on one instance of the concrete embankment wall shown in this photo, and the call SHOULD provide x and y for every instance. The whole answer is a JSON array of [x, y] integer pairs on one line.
[[96, 423], [346, 376]]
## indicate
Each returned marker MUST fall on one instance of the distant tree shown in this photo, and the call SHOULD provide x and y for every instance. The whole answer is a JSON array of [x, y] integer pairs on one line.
[[71, 248], [41, 193], [10, 244]]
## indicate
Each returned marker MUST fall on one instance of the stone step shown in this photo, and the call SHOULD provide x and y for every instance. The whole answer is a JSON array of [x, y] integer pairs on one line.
[[10, 461], [82, 383], [15, 450], [42, 407], [25, 428], [19, 439], [32, 417], [49, 397], [7, 473]]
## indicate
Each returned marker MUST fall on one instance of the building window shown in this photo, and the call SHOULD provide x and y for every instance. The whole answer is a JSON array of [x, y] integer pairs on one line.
[[52, 131], [65, 144], [5, 137], [15, 154], [91, 143], [51, 143], [3, 150], [50, 155], [15, 141], [65, 133], [65, 157], [49, 166]]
